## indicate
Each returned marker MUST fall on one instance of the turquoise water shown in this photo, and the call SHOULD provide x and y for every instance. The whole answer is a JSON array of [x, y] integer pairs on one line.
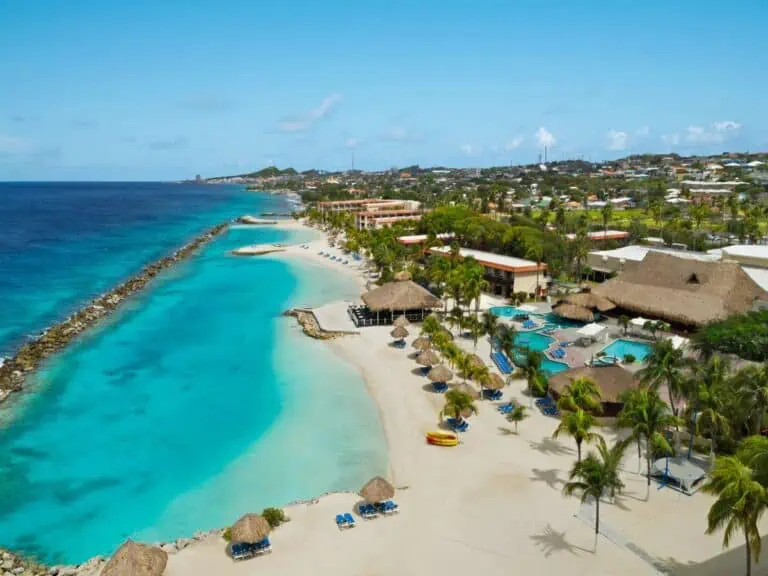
[[621, 348], [549, 317], [534, 340], [195, 403]]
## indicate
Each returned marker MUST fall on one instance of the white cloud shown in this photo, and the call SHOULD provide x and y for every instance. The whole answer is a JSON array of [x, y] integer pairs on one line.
[[643, 131], [513, 144], [470, 150], [352, 143], [717, 133], [617, 140], [545, 138], [304, 123], [726, 126], [10, 146], [671, 139]]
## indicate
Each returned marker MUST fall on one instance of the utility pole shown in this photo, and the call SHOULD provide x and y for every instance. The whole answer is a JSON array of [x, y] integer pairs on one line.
[[353, 161]]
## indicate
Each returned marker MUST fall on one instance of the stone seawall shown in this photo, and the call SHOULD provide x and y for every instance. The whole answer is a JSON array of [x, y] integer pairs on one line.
[[309, 324], [32, 354]]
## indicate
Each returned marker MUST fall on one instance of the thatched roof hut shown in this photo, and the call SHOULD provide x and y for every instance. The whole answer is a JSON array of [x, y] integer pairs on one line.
[[421, 343], [134, 559], [402, 321], [476, 361], [591, 301], [440, 374], [683, 291], [377, 490], [402, 276], [573, 312], [428, 358], [612, 381], [399, 296], [469, 391], [251, 529], [495, 382], [399, 333]]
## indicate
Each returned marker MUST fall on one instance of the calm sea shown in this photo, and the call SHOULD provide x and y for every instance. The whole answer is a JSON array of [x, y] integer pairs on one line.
[[195, 403]]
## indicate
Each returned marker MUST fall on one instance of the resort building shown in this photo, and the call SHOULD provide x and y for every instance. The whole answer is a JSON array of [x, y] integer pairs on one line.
[[604, 236], [420, 238], [613, 382], [683, 291], [505, 274], [347, 205]]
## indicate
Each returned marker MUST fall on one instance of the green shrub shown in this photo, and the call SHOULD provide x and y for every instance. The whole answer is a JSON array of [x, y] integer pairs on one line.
[[275, 516], [745, 335], [629, 358], [227, 535]]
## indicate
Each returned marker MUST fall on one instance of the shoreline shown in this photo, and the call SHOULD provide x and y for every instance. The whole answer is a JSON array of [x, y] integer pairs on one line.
[[30, 356]]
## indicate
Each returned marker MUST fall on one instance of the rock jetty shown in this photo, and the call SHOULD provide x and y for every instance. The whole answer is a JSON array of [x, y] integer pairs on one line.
[[258, 249], [253, 221], [310, 326], [15, 565], [32, 354]]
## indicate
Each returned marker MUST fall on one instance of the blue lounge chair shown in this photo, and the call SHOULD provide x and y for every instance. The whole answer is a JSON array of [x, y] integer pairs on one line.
[[349, 519], [440, 387], [388, 507], [340, 521], [458, 426], [506, 408], [241, 551], [493, 394], [367, 511], [262, 547]]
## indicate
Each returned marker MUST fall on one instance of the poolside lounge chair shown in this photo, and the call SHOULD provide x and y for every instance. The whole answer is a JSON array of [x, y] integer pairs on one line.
[[350, 520]]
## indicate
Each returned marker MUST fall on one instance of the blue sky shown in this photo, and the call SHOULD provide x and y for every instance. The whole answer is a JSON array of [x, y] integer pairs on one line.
[[164, 90]]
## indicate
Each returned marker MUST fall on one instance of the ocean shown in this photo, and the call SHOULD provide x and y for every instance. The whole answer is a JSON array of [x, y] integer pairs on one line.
[[193, 404]]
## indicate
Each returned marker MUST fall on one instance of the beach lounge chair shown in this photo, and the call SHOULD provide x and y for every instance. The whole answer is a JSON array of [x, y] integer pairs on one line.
[[263, 547], [241, 551], [493, 394], [458, 426], [440, 387], [387, 508], [367, 511], [341, 522], [506, 408], [349, 519]]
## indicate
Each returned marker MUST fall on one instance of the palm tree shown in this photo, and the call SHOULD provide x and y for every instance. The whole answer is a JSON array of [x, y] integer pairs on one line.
[[490, 324], [518, 414], [597, 475], [578, 425], [753, 388], [753, 451], [465, 366], [664, 365], [606, 213], [507, 341], [475, 327], [706, 390], [531, 368], [536, 252], [581, 393], [456, 404], [647, 415], [439, 270], [741, 501], [431, 325], [580, 247], [624, 323]]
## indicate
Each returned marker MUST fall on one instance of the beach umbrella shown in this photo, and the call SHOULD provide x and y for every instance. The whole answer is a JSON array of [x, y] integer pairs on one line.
[[495, 382], [250, 529], [476, 361], [134, 559], [377, 490], [399, 333], [401, 321], [440, 374], [402, 276], [422, 344], [469, 391], [428, 358]]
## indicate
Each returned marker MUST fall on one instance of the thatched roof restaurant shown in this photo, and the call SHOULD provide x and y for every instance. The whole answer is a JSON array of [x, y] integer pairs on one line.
[[400, 296], [134, 559], [612, 381], [574, 312], [682, 291], [591, 301]]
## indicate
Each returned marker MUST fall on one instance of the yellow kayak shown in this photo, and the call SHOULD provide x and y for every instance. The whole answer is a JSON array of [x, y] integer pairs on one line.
[[442, 438]]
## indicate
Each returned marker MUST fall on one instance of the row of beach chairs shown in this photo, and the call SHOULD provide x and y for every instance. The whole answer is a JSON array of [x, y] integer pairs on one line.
[[243, 550], [547, 406], [502, 362], [367, 512]]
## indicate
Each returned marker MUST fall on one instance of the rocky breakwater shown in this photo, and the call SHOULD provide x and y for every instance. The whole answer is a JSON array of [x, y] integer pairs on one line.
[[310, 326], [32, 354], [253, 221]]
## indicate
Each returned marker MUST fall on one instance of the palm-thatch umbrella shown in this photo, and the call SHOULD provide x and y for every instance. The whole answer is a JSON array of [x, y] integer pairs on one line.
[[476, 361], [399, 333], [574, 312], [377, 490], [250, 529], [402, 321], [402, 276], [428, 358], [134, 559], [440, 374], [421, 343], [469, 391], [494, 382], [590, 301]]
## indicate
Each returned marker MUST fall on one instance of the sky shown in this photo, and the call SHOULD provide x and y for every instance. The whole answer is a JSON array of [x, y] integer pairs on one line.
[[164, 90]]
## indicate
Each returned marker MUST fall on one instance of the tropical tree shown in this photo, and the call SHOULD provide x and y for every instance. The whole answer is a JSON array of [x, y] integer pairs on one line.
[[581, 393], [741, 501], [465, 366], [597, 475], [706, 391], [439, 270], [753, 388], [578, 425], [648, 417], [475, 327], [531, 368], [664, 365], [753, 451], [580, 250], [507, 343], [457, 403], [535, 251], [518, 414], [624, 323], [490, 324], [606, 213], [431, 325]]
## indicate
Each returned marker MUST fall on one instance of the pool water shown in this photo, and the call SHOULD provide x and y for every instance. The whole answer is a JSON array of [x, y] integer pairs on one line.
[[549, 317], [620, 348], [539, 342]]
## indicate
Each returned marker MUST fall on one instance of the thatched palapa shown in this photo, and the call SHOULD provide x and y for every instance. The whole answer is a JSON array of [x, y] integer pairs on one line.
[[399, 332], [468, 390], [683, 291], [428, 358], [402, 321], [591, 301], [574, 312], [134, 559], [440, 374], [476, 361], [250, 529], [377, 490], [399, 296], [494, 382], [421, 343], [612, 381]]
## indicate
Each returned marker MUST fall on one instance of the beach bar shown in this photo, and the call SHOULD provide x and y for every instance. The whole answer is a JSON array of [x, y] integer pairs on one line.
[[384, 304]]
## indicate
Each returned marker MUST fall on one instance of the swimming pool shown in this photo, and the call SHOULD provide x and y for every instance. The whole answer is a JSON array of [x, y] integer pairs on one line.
[[621, 348], [549, 317]]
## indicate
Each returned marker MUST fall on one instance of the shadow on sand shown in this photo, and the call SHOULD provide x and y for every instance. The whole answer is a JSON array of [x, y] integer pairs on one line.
[[550, 477], [550, 541], [551, 446]]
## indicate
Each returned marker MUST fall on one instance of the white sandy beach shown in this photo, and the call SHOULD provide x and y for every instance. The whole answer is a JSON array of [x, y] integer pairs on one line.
[[492, 505]]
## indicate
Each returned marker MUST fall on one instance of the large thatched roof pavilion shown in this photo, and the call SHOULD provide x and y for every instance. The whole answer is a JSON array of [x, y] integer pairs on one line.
[[612, 381], [683, 291], [392, 300]]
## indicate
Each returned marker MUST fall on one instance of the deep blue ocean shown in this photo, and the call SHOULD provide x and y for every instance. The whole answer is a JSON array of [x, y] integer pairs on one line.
[[195, 403]]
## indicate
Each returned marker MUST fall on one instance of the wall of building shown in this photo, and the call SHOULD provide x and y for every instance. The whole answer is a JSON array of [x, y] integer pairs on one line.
[[526, 282]]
